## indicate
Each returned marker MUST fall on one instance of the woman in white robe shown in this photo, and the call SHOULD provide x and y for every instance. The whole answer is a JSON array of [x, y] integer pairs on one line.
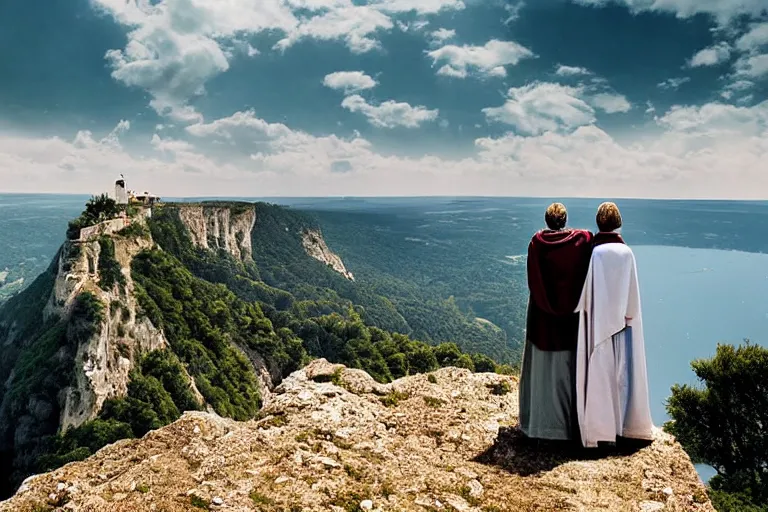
[[611, 377]]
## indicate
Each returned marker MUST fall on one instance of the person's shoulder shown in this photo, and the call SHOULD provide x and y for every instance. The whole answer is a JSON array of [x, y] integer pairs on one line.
[[614, 248], [583, 233]]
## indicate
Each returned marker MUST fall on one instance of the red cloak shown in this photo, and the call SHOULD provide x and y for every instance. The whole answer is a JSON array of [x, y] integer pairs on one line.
[[558, 262]]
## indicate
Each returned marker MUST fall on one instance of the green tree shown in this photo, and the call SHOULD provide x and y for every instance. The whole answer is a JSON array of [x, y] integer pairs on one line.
[[100, 208], [725, 424], [97, 209]]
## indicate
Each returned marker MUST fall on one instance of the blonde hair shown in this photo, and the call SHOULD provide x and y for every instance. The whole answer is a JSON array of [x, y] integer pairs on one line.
[[608, 217], [556, 216]]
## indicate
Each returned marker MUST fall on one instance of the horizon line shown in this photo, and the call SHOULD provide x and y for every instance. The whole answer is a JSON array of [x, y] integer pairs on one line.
[[348, 197]]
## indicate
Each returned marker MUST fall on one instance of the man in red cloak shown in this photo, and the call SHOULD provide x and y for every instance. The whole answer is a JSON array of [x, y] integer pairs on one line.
[[558, 260]]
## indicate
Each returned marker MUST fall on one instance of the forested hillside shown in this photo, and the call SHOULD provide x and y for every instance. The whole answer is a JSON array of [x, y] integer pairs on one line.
[[285, 277], [439, 270]]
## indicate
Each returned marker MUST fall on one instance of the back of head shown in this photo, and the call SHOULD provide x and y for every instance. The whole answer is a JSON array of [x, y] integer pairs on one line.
[[556, 216], [608, 217]]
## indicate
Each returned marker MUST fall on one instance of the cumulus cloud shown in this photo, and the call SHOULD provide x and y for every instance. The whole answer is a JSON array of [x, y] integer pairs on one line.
[[754, 66], [486, 60], [673, 83], [390, 114], [417, 6], [571, 71], [238, 123], [610, 103], [176, 46], [357, 25], [756, 37], [540, 107], [349, 81], [723, 11], [354, 24], [711, 56], [714, 150], [716, 121], [441, 35]]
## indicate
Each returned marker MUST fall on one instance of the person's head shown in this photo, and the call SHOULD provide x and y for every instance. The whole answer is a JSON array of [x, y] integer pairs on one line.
[[556, 216], [608, 217]]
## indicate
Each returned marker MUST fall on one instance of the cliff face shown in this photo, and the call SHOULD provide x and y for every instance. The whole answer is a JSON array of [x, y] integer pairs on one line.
[[214, 227], [333, 439], [104, 362], [315, 245], [230, 228]]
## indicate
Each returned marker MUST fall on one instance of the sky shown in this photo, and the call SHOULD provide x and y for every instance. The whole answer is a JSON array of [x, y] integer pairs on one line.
[[595, 98]]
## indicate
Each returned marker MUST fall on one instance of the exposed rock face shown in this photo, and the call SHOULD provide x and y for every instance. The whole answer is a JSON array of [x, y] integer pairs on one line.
[[316, 247], [332, 439], [103, 364], [216, 227]]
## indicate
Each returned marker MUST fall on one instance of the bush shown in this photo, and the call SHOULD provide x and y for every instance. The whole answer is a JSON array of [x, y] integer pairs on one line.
[[82, 442], [97, 209], [135, 230]]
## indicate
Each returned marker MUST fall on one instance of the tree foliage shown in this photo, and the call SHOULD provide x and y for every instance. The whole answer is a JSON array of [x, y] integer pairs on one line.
[[725, 423], [40, 369], [158, 393], [285, 277], [97, 209], [110, 270]]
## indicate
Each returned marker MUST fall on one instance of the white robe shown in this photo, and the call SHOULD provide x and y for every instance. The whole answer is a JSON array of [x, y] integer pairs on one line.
[[611, 376]]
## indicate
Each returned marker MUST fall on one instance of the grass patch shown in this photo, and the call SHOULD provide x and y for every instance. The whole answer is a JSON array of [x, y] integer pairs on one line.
[[387, 489], [198, 502], [393, 398], [278, 420], [352, 472], [335, 378], [302, 437], [433, 402], [349, 502], [500, 388], [260, 499], [142, 488], [342, 443]]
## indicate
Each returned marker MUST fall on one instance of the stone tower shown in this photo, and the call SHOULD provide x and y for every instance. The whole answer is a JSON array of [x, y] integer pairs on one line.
[[121, 195]]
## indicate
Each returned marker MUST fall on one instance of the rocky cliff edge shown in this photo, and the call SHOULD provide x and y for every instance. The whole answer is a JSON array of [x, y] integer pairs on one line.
[[332, 439]]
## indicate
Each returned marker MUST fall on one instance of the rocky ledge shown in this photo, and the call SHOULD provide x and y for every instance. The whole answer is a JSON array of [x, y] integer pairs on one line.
[[332, 439]]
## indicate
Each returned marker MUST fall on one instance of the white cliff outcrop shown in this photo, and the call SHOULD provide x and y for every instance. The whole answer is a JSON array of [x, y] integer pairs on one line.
[[332, 439], [218, 227], [315, 245]]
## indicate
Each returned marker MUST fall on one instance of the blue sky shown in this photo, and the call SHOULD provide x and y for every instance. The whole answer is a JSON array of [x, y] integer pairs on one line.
[[626, 98]]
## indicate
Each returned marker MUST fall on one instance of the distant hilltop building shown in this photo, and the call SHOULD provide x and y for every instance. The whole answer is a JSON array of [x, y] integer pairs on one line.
[[124, 196], [145, 199]]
